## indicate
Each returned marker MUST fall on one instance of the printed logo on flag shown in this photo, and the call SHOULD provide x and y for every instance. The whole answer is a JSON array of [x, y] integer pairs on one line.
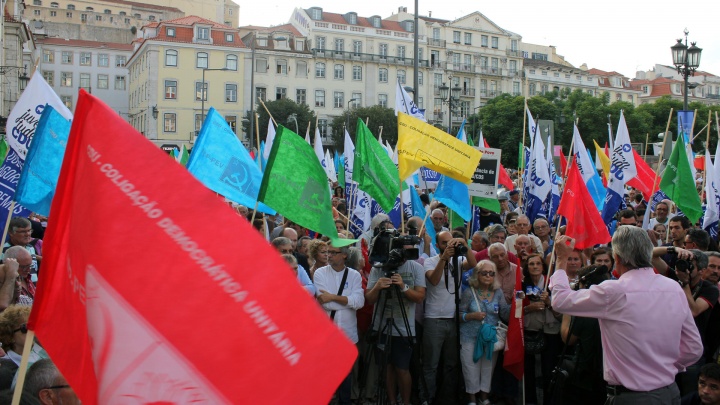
[[237, 175], [312, 199]]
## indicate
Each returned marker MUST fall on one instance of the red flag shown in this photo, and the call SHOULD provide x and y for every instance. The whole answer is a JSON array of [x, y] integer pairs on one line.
[[514, 356], [151, 295], [645, 178], [504, 177], [585, 224], [563, 164], [699, 162]]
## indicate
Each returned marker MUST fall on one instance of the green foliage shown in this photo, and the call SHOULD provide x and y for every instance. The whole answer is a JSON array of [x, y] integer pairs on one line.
[[281, 111], [377, 117]]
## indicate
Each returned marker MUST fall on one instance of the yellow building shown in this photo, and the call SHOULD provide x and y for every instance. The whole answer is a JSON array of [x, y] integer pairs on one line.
[[166, 71]]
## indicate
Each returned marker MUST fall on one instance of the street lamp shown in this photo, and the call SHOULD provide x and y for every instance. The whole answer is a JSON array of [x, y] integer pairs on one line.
[[347, 121], [155, 111], [451, 97], [293, 117], [22, 77], [204, 91], [686, 61]]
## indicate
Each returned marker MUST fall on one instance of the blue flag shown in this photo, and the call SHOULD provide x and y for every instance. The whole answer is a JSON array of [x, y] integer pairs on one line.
[[538, 183], [418, 210], [453, 193], [223, 165], [36, 187]]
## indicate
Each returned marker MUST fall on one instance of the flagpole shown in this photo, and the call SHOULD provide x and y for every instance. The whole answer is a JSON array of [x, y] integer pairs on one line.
[[260, 153], [402, 207], [698, 133], [7, 221], [350, 222], [647, 139], [692, 127], [422, 227], [522, 151], [22, 371], [707, 152], [662, 150], [268, 111]]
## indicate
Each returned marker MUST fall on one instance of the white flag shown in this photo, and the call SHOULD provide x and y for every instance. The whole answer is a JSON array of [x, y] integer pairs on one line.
[[349, 154], [269, 140], [405, 104]]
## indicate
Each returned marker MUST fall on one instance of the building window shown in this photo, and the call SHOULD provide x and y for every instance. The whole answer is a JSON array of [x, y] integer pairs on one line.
[[261, 65], [456, 37], [202, 60], [37, 2], [513, 67], [68, 14], [556, 74], [320, 70], [103, 60], [138, 16], [516, 88], [49, 77], [98, 18], [66, 79], [201, 95], [280, 93], [48, 56], [383, 73], [338, 99], [170, 31], [382, 100], [357, 48], [495, 41], [71, 7], [514, 45], [401, 52], [339, 45], [544, 73], [53, 13], [170, 120], [401, 76], [85, 81], [170, 89], [261, 93], [83, 17], [106, 11], [67, 57], [484, 40], [53, 5], [320, 43], [322, 126], [85, 58], [119, 82], [230, 93], [339, 72], [301, 96], [171, 57], [67, 100], [203, 33], [319, 98], [231, 62], [468, 38], [231, 120], [120, 61], [127, 21], [299, 45], [301, 69], [281, 66], [357, 73], [357, 100], [383, 50], [420, 78], [102, 82], [532, 89], [229, 37]]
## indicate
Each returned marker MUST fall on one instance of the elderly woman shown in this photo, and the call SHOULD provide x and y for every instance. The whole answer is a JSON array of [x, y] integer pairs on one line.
[[13, 331], [317, 255], [541, 324], [481, 307]]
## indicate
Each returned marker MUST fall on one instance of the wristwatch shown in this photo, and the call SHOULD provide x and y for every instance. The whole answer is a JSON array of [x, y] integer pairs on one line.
[[682, 284], [670, 250], [407, 287]]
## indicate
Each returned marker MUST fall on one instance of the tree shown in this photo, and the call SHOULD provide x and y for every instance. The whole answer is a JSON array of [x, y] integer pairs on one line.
[[377, 117], [281, 111]]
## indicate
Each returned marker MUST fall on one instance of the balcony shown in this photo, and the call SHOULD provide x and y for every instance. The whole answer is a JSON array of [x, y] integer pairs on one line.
[[365, 57], [467, 92], [462, 67], [440, 43], [437, 64], [491, 71], [515, 53], [714, 96]]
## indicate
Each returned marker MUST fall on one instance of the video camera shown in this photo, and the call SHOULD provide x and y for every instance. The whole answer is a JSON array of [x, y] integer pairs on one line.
[[389, 251]]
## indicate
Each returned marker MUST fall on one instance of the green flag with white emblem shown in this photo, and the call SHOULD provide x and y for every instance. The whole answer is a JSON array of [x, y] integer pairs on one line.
[[678, 183], [374, 170]]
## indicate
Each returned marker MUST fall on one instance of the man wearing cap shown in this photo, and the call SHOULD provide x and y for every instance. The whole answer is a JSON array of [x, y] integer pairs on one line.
[[514, 202]]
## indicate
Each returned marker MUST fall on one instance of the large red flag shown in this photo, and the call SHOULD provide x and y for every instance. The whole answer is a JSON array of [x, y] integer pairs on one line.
[[645, 178], [504, 177], [514, 356], [563, 163], [154, 291], [585, 224]]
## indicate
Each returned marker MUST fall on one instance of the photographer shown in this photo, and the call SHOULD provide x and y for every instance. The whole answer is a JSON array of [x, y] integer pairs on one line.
[[408, 281], [439, 328], [585, 381]]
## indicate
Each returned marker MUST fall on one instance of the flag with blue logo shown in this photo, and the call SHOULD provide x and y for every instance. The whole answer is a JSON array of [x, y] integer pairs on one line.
[[223, 165], [538, 184], [712, 206], [36, 187], [553, 199], [404, 103], [587, 170], [622, 169]]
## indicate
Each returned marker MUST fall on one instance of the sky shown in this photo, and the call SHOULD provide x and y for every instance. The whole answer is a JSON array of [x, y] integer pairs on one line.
[[624, 36]]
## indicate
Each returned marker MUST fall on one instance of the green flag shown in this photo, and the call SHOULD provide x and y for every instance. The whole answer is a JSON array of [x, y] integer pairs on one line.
[[183, 156], [678, 183], [455, 220], [373, 170], [341, 173], [521, 156], [296, 185], [491, 204], [3, 149]]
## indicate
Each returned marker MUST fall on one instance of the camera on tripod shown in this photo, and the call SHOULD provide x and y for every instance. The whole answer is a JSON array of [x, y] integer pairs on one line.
[[389, 251]]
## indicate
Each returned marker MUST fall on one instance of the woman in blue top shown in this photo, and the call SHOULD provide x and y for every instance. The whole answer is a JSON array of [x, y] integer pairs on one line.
[[483, 303]]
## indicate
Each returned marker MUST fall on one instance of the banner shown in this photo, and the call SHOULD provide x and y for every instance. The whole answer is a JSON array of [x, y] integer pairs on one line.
[[170, 297], [9, 176], [485, 180]]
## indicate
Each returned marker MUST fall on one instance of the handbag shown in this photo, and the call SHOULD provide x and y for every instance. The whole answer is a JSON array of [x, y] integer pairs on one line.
[[534, 341], [501, 329]]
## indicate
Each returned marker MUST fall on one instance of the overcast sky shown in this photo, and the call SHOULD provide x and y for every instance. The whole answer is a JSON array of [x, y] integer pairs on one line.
[[624, 36]]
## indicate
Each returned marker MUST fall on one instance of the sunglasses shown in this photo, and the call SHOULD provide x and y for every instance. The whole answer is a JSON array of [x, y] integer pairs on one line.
[[22, 328], [487, 273]]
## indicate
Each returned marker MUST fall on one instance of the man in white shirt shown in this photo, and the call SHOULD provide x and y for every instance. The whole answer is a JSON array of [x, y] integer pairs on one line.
[[523, 228], [340, 292]]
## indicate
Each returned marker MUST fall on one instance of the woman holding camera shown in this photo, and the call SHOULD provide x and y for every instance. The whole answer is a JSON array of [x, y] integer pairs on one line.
[[481, 307], [542, 327]]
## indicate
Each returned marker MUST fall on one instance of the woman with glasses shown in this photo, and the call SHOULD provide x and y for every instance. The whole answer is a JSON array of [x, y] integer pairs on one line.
[[481, 307], [541, 324], [13, 331]]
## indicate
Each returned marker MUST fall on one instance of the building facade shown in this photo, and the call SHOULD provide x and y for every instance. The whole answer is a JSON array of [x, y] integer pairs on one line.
[[544, 76], [16, 62]]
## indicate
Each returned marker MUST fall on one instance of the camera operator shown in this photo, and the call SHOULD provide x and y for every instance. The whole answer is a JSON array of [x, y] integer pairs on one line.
[[409, 281], [646, 326], [439, 328]]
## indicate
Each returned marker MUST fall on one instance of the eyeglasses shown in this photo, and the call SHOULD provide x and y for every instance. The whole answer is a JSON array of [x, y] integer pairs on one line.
[[22, 328], [24, 266], [333, 253], [487, 273], [286, 251], [57, 387]]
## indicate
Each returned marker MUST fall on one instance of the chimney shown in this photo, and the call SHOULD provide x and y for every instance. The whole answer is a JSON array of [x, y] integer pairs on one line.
[[429, 13]]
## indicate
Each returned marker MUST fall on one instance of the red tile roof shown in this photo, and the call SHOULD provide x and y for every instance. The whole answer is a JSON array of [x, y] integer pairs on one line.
[[144, 5], [184, 32], [193, 19], [85, 44], [335, 18], [603, 73], [659, 87]]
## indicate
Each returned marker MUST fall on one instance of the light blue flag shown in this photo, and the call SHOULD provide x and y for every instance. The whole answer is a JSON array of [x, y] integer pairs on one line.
[[588, 171], [418, 210], [453, 193], [36, 187], [223, 164]]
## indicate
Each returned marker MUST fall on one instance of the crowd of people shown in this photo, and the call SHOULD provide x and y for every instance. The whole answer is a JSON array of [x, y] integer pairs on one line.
[[635, 321]]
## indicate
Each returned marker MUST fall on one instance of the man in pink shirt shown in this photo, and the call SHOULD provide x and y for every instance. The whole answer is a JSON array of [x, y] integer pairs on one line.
[[648, 331]]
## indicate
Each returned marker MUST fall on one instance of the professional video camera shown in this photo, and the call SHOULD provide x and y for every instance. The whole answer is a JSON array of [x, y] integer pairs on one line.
[[389, 248]]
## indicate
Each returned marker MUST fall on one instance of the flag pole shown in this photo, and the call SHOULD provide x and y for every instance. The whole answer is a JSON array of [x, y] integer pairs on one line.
[[402, 207], [662, 150], [268, 111], [522, 151], [7, 221], [707, 152], [699, 132], [349, 222], [260, 153], [472, 216], [22, 371], [647, 139], [422, 227], [692, 127]]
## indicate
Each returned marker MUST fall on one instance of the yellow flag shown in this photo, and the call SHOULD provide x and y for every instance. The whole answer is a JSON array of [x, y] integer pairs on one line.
[[421, 144], [604, 159]]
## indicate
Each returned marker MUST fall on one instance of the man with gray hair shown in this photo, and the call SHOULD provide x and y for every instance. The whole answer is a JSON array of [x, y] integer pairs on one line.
[[498, 254], [523, 228], [285, 247], [646, 325], [45, 385]]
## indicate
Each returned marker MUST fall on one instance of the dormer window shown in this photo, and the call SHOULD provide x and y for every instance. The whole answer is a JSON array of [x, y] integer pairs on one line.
[[351, 18], [228, 37], [376, 21], [170, 31], [408, 25], [203, 33], [315, 13]]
